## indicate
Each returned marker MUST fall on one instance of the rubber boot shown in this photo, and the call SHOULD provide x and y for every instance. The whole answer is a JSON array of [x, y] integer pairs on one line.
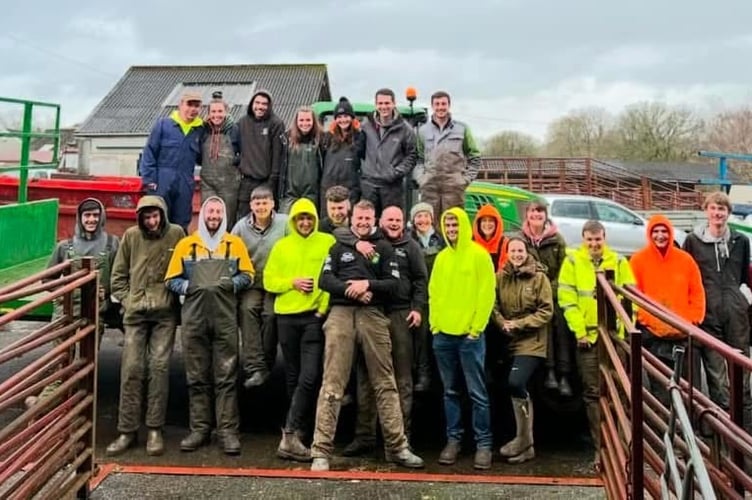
[[291, 448], [523, 417], [526, 423], [551, 382]]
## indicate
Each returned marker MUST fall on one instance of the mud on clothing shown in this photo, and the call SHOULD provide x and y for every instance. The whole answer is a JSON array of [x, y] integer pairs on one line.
[[220, 155], [169, 160], [210, 269], [448, 161], [100, 245], [151, 314]]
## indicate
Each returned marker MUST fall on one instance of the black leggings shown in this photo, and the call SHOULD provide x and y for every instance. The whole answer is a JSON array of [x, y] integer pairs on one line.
[[523, 368]]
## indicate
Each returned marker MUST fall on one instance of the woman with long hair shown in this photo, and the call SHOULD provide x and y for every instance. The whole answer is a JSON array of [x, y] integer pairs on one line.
[[341, 161], [524, 307], [547, 245], [300, 175]]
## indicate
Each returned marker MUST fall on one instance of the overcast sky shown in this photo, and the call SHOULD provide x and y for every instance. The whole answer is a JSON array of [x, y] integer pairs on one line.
[[509, 64]]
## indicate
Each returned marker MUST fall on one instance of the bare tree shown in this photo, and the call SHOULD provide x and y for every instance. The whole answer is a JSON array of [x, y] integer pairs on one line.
[[586, 132], [653, 131], [511, 143]]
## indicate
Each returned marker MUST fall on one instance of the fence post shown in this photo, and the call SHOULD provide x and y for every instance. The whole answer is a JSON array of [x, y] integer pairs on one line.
[[736, 411], [90, 350]]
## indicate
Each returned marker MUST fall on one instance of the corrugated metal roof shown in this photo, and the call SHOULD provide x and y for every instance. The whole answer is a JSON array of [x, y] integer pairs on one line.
[[136, 101]]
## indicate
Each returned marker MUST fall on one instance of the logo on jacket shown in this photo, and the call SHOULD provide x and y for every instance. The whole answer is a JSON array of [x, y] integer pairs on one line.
[[265, 131], [400, 252], [347, 257]]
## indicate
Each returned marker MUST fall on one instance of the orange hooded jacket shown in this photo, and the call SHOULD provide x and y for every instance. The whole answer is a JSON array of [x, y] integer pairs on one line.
[[497, 244], [671, 278]]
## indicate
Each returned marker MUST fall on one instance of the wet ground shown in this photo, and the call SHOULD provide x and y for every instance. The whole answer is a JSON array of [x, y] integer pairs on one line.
[[129, 486], [562, 448]]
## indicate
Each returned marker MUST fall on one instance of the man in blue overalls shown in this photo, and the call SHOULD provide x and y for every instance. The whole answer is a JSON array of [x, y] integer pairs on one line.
[[170, 157]]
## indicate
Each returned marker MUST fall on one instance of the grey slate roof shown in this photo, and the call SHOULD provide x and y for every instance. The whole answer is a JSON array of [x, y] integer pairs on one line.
[[676, 172], [138, 99]]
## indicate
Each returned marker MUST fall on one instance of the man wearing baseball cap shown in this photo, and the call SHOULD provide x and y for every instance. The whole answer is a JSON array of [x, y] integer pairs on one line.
[[170, 157]]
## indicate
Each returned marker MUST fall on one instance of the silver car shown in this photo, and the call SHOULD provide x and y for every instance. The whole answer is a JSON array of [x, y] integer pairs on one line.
[[625, 229]]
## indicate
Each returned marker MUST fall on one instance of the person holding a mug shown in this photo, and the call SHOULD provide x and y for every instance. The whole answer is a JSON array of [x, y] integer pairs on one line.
[[300, 307]]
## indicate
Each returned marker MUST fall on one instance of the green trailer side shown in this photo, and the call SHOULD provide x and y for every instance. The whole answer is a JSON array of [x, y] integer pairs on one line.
[[29, 235]]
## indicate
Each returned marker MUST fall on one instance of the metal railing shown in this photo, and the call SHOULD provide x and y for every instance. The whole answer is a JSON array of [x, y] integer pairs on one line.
[[588, 176], [26, 134], [47, 447], [636, 453]]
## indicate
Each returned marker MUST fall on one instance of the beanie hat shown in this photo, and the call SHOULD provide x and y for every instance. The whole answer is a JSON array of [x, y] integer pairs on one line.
[[421, 207], [89, 205], [344, 108]]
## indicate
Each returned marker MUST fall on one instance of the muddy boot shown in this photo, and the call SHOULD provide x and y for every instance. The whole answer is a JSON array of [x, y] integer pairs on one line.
[[358, 446], [194, 441], [122, 443], [550, 382], [405, 458], [154, 443], [483, 458], [230, 443], [320, 464], [256, 380], [564, 388], [448, 455], [291, 448], [523, 417]]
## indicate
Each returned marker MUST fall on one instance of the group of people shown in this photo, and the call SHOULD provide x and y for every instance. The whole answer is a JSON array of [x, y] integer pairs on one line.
[[360, 295], [378, 160]]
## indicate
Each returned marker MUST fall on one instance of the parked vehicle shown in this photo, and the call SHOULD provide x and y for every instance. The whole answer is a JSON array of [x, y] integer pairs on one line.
[[625, 229]]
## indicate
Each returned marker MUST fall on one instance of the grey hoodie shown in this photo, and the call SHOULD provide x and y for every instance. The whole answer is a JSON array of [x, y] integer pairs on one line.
[[260, 243]]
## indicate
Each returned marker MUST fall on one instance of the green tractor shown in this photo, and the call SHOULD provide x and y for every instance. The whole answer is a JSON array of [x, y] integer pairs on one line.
[[324, 110]]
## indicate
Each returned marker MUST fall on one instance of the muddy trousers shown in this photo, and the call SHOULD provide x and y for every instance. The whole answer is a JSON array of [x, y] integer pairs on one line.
[[258, 331], [442, 196], [346, 328], [302, 343], [402, 360], [560, 344], [211, 366], [146, 358], [587, 363]]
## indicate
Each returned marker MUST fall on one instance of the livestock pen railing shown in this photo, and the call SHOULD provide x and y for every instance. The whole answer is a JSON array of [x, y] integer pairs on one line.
[[48, 403], [641, 451]]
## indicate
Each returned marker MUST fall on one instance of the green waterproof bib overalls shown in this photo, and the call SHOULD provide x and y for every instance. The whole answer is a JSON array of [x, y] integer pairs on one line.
[[210, 344]]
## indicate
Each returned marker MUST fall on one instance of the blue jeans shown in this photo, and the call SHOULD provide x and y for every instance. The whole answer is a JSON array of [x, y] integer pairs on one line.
[[456, 353]]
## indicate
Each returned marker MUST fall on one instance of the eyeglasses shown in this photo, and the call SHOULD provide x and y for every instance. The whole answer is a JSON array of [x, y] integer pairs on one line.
[[193, 104]]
